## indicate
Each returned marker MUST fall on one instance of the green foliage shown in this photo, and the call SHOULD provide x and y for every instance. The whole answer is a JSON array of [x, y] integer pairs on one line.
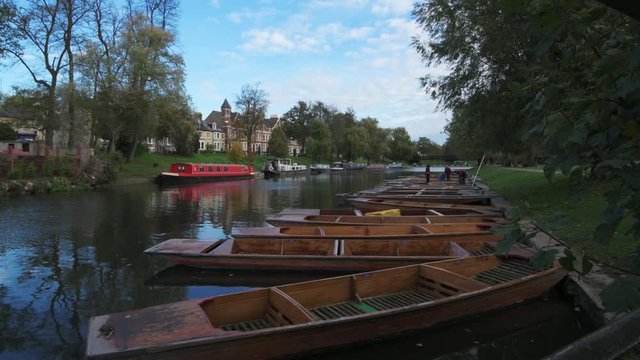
[[622, 295], [561, 78], [111, 166], [319, 143], [355, 142], [427, 148], [543, 259], [578, 263], [278, 143], [7, 132], [377, 140], [296, 123], [401, 146], [236, 153], [60, 184]]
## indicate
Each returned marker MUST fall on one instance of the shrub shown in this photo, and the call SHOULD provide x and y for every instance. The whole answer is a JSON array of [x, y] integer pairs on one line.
[[236, 154]]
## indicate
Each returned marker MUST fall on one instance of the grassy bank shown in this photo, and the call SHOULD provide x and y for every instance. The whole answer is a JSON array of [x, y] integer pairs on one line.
[[149, 165], [538, 199]]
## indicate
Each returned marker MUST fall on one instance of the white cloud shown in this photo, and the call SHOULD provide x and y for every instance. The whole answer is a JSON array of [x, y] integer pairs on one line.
[[392, 7], [297, 35], [338, 3], [268, 41], [215, 3], [247, 15]]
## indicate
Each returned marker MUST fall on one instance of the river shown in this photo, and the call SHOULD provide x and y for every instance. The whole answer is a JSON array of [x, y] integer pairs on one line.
[[67, 257]]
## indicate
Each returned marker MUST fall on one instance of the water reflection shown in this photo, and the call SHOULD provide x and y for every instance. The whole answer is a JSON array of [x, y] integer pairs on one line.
[[67, 257]]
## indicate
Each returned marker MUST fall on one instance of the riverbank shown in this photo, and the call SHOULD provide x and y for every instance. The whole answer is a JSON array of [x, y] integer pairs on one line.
[[147, 166], [541, 201]]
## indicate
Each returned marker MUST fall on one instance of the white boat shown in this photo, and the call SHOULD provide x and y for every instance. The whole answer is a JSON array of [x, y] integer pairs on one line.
[[337, 167], [319, 168], [279, 167]]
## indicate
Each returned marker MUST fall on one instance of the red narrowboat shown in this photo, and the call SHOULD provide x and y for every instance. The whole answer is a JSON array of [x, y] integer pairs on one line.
[[188, 173]]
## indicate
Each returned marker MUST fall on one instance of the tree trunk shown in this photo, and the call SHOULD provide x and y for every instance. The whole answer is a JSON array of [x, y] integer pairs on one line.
[[132, 149], [71, 143], [51, 115]]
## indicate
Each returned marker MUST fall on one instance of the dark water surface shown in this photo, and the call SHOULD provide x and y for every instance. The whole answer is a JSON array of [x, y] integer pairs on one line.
[[67, 257]]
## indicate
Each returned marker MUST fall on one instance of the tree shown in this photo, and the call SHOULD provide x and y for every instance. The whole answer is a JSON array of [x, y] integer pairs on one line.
[[355, 142], [41, 27], [319, 143], [339, 124], [9, 37], [297, 123], [427, 148], [377, 144], [278, 143], [562, 76], [7, 132], [252, 104], [402, 148], [236, 153], [31, 103]]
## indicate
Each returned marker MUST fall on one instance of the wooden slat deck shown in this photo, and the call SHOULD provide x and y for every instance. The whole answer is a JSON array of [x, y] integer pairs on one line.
[[509, 270]]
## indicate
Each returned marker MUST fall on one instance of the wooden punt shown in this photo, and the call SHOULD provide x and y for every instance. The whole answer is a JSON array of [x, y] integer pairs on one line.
[[333, 220], [358, 212], [425, 231], [297, 318], [483, 199], [316, 254], [371, 204]]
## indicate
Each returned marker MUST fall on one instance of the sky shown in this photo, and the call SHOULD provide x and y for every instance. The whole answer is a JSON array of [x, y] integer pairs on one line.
[[346, 53]]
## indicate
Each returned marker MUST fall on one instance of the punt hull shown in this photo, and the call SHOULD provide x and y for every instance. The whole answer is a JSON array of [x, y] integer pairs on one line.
[[326, 256], [292, 220], [170, 180], [308, 337]]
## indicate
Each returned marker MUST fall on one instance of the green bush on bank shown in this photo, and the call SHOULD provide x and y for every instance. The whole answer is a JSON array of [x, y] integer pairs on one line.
[[541, 200]]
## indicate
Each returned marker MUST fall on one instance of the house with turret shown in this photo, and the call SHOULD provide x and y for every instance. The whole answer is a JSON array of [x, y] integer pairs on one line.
[[219, 130]]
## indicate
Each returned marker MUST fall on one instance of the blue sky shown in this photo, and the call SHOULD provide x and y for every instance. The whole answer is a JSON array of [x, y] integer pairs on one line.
[[346, 53]]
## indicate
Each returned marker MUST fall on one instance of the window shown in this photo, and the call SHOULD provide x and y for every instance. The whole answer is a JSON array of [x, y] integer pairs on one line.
[[218, 169], [210, 168], [201, 168], [225, 169]]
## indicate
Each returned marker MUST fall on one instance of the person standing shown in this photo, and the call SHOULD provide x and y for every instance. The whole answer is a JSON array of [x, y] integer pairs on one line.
[[427, 173], [447, 172]]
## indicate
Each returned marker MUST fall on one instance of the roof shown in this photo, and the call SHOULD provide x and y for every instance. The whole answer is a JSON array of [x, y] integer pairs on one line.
[[11, 113], [202, 126], [225, 105], [271, 122]]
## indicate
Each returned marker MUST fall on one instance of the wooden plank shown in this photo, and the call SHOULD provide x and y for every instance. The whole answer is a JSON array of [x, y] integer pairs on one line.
[[289, 307], [446, 277]]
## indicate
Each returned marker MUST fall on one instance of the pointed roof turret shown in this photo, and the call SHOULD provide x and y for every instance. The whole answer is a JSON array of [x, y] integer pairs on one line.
[[225, 105]]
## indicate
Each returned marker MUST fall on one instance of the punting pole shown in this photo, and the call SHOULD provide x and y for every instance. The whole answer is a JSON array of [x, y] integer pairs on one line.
[[478, 171]]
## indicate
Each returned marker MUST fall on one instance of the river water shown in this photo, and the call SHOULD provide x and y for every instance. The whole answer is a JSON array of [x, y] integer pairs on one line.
[[67, 257]]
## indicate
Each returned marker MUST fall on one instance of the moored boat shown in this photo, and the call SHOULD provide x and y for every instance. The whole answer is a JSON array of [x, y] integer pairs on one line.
[[337, 167], [403, 212], [190, 173], [329, 220], [376, 167], [317, 254], [308, 316], [452, 198], [372, 204], [281, 167], [319, 168], [450, 232]]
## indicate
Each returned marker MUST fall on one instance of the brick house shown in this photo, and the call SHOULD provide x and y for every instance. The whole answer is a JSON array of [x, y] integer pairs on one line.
[[217, 132]]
